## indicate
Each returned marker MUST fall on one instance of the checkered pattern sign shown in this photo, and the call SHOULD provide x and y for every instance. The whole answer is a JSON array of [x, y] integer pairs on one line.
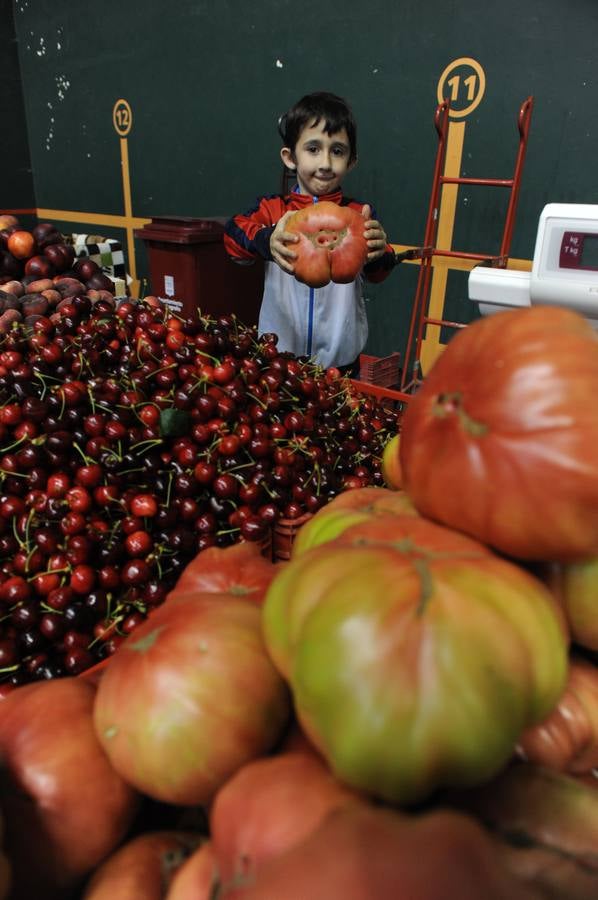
[[107, 253]]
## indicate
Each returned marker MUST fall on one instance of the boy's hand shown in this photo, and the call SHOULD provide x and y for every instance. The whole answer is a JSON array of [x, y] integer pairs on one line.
[[374, 235], [279, 245]]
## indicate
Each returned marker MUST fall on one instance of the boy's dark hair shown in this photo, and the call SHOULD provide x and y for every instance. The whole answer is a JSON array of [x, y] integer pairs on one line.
[[311, 109]]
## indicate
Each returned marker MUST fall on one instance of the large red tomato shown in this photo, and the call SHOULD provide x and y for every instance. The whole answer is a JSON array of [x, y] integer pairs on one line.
[[190, 697], [331, 246], [500, 440], [416, 657], [143, 868], [65, 807], [267, 807], [359, 853]]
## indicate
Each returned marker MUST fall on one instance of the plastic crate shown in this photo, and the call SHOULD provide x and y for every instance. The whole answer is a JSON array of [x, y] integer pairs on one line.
[[381, 370], [283, 535]]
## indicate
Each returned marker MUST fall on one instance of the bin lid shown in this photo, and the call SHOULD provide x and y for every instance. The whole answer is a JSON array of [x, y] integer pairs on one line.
[[182, 229]]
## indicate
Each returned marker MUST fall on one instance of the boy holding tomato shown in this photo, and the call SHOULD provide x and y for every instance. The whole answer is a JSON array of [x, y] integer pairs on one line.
[[329, 323]]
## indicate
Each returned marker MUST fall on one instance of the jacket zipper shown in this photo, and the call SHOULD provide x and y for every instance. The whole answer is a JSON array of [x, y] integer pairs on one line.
[[310, 314]]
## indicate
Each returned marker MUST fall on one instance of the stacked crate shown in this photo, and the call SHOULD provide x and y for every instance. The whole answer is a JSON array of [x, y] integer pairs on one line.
[[381, 370]]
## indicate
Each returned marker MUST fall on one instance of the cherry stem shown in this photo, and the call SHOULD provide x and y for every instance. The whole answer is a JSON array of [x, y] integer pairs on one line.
[[13, 445], [86, 459]]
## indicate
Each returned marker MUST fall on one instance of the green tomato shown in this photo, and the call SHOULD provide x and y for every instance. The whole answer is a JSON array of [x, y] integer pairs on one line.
[[414, 668]]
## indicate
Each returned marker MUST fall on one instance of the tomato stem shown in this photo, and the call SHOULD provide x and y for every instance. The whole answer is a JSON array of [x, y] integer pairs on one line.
[[450, 403]]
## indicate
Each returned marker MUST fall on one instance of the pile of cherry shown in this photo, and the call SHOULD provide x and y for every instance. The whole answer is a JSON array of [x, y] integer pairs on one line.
[[131, 439]]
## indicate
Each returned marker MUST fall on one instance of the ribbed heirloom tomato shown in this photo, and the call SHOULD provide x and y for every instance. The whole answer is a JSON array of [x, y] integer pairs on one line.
[[500, 440], [331, 246], [416, 656]]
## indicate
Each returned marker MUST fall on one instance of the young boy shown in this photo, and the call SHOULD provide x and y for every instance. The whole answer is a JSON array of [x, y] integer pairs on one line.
[[328, 324]]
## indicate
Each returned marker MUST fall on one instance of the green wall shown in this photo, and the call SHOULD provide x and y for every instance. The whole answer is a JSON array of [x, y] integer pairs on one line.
[[207, 80], [16, 181]]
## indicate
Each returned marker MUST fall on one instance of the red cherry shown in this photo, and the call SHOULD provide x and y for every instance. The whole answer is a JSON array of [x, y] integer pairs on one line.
[[10, 414], [139, 544], [229, 444], [77, 660], [14, 590], [82, 579], [149, 414], [225, 486], [60, 597], [78, 499], [144, 505], [73, 523], [27, 563], [205, 472], [11, 506], [94, 424], [131, 523], [115, 430], [45, 583], [52, 626], [135, 572], [106, 494], [223, 373], [58, 484], [132, 622], [9, 655], [74, 639], [89, 476], [78, 550]]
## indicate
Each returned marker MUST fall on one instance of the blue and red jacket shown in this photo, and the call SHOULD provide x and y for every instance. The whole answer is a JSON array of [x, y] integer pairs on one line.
[[329, 324]]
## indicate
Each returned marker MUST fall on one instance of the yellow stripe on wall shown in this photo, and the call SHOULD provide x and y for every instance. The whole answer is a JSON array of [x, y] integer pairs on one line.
[[68, 215]]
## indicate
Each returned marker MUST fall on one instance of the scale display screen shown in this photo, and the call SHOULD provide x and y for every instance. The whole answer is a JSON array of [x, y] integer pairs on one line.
[[579, 250], [589, 252]]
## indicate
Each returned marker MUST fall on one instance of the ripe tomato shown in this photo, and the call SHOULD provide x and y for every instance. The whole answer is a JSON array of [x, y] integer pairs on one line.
[[240, 569], [331, 246], [267, 807], [143, 867], [190, 697], [65, 807], [360, 852], [197, 877], [499, 441], [568, 739], [347, 509], [383, 632]]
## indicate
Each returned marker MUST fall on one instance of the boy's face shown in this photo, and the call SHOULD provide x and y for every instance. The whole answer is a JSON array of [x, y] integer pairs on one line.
[[321, 160]]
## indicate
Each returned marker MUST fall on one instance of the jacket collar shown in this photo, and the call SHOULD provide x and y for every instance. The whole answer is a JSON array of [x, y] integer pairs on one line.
[[299, 200]]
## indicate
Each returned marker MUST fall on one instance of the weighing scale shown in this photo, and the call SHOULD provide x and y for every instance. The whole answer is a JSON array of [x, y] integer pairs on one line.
[[564, 269]]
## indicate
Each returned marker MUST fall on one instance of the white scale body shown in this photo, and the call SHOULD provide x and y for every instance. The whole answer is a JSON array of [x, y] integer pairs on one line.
[[564, 269]]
